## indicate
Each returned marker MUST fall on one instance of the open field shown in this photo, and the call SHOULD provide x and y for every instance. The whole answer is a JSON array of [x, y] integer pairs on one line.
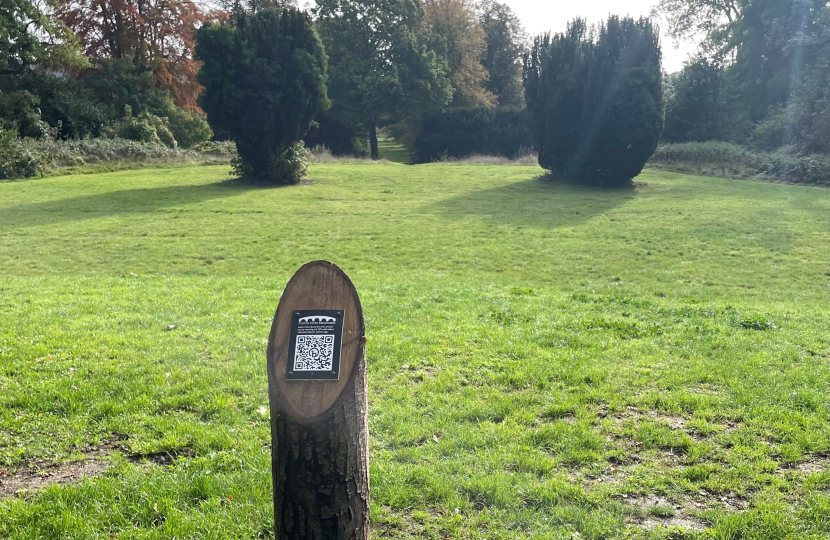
[[544, 360]]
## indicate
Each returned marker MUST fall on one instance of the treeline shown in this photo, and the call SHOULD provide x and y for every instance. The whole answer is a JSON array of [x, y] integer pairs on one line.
[[761, 81], [128, 68], [447, 77], [102, 69]]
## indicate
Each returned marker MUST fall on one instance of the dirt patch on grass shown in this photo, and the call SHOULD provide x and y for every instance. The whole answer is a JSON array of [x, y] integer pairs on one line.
[[42, 473], [653, 523], [656, 511], [65, 473], [811, 466]]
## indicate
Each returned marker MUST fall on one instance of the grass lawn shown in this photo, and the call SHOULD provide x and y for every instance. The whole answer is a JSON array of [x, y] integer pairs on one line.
[[544, 360], [393, 151]]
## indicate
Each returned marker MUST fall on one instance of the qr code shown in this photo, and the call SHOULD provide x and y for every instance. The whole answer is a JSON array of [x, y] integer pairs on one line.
[[314, 353]]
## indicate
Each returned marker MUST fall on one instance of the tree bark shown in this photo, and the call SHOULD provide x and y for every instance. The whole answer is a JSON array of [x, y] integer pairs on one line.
[[321, 470], [373, 140]]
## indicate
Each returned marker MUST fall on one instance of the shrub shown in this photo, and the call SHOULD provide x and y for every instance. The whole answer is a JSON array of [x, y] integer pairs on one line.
[[17, 160], [289, 167], [731, 160], [145, 128], [20, 158], [479, 131], [595, 100], [264, 82], [189, 128], [66, 103], [21, 113]]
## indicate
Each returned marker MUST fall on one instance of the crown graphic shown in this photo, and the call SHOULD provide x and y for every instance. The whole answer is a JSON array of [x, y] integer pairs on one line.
[[317, 318]]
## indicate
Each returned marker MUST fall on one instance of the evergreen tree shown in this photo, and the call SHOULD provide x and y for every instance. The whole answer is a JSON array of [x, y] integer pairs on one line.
[[264, 82], [596, 100], [381, 69]]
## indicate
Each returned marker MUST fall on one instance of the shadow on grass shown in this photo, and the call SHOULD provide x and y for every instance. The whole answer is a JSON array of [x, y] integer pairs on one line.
[[116, 203], [538, 202]]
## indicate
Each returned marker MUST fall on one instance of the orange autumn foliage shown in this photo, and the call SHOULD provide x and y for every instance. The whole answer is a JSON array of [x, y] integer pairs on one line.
[[157, 35]]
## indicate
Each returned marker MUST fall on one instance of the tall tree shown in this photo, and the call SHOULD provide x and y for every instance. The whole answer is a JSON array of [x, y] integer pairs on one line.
[[31, 40], [770, 42], [694, 110], [711, 21], [381, 69], [156, 35], [459, 36], [505, 41], [777, 42], [596, 100], [265, 80], [30, 35]]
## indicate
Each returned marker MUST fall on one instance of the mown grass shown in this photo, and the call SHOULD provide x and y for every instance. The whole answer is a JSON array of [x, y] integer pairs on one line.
[[544, 359], [391, 150]]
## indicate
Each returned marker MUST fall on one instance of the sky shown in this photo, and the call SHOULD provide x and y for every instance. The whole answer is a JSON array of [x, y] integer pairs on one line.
[[539, 16]]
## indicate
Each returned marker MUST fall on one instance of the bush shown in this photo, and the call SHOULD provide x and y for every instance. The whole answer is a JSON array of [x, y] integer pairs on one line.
[[20, 158], [146, 128], [66, 103], [731, 160], [17, 159], [189, 128], [595, 101], [479, 131], [265, 80], [21, 113]]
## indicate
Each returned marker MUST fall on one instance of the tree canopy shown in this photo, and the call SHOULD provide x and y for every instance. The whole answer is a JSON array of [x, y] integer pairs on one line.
[[30, 35], [505, 42], [381, 69], [156, 35], [769, 59], [459, 37]]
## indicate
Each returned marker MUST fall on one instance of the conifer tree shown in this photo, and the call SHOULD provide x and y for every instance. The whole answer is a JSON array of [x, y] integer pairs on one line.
[[264, 80], [595, 100]]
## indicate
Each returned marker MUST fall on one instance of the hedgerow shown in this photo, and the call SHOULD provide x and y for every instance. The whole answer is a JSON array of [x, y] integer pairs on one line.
[[21, 158], [713, 158]]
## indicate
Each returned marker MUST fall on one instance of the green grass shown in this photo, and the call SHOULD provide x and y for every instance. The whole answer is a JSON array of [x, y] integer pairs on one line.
[[544, 359], [393, 151]]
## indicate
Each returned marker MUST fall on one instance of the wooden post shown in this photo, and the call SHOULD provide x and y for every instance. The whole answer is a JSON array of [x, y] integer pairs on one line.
[[319, 419]]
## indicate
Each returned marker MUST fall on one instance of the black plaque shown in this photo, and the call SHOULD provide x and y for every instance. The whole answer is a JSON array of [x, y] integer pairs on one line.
[[314, 345]]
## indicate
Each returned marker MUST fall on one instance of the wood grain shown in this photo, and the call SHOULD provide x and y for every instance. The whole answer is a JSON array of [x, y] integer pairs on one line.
[[316, 285]]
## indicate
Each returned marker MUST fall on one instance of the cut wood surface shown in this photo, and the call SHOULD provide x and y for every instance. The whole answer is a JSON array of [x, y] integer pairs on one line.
[[317, 285]]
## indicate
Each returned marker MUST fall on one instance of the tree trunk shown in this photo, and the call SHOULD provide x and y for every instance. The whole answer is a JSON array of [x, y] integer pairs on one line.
[[321, 471], [373, 140]]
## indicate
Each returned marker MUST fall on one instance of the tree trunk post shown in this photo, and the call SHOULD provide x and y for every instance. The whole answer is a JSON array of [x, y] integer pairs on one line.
[[319, 419], [373, 140]]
